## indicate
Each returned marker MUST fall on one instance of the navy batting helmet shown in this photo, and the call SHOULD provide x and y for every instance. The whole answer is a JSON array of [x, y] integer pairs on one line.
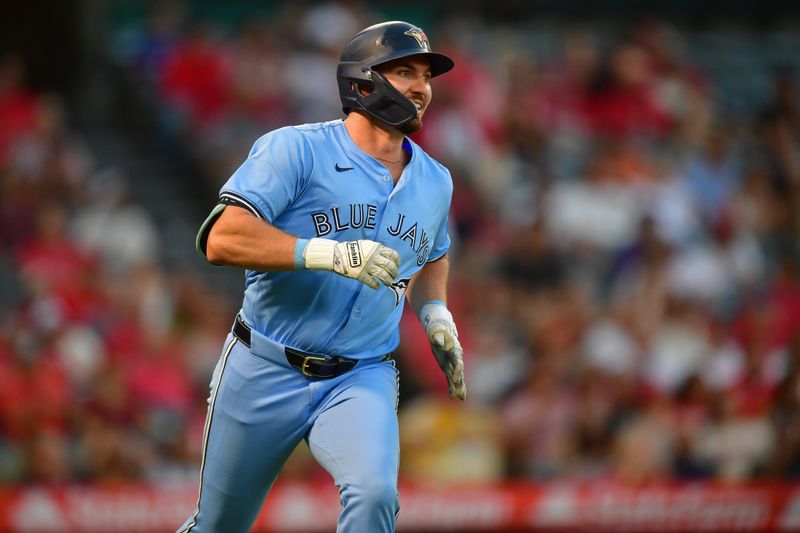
[[373, 47]]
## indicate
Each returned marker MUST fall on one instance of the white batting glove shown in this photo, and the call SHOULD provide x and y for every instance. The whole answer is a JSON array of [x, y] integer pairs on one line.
[[362, 260], [443, 336]]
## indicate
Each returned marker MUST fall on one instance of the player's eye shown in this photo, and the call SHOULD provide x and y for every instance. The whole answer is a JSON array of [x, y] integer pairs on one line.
[[427, 77]]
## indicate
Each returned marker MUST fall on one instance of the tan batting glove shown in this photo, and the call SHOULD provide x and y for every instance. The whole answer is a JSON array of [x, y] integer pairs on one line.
[[443, 336], [362, 260]]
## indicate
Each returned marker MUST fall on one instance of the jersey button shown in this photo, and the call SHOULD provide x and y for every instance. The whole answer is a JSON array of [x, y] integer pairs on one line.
[[333, 352], [387, 179], [357, 312]]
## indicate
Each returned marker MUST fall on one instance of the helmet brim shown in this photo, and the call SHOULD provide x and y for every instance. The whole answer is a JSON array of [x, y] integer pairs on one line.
[[440, 63]]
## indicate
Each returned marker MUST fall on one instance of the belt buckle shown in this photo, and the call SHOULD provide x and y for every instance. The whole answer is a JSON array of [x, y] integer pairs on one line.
[[304, 366]]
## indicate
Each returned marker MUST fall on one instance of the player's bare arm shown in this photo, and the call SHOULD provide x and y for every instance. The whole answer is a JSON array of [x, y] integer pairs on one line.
[[430, 283], [238, 238]]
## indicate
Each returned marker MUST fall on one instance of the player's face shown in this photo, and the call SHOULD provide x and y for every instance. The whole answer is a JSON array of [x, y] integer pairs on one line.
[[412, 77]]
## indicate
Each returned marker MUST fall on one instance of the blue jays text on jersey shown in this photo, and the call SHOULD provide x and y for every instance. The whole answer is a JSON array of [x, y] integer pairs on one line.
[[364, 215], [314, 181]]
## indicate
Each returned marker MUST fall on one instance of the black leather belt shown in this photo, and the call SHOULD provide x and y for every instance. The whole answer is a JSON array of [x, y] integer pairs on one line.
[[311, 365]]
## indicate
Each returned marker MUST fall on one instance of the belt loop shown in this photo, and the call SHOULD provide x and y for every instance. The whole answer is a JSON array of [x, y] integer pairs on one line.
[[241, 330]]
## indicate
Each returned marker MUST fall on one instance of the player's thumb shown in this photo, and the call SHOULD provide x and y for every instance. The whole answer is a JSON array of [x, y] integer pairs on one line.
[[438, 339]]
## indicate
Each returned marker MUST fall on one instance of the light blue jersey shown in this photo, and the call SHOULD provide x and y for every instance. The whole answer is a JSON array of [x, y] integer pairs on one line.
[[314, 181]]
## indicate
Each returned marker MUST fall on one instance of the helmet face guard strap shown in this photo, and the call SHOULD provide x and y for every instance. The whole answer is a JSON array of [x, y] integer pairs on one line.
[[386, 103]]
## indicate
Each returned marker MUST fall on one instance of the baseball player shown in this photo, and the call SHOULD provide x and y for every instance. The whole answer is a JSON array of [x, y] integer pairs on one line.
[[336, 224]]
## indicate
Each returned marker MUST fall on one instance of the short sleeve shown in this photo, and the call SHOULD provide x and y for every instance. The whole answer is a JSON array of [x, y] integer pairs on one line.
[[441, 243], [273, 175]]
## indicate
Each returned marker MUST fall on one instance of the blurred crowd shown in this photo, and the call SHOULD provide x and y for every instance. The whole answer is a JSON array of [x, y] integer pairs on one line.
[[624, 270], [104, 355]]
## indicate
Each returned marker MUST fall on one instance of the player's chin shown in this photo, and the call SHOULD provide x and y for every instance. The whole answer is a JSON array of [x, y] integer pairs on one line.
[[411, 127]]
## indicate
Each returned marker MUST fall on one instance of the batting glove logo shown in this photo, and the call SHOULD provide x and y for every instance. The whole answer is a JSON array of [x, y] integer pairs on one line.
[[354, 254]]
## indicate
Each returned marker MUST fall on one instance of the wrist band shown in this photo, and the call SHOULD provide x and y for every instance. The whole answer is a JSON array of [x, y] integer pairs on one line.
[[299, 248], [430, 302]]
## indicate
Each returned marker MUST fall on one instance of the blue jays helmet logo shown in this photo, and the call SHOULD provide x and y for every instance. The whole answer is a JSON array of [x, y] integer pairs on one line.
[[420, 37]]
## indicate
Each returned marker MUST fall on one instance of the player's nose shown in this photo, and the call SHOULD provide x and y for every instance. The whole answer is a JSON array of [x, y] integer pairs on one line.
[[419, 93], [420, 84]]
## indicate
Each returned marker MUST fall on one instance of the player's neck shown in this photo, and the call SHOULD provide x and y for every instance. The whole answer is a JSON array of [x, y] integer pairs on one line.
[[382, 143]]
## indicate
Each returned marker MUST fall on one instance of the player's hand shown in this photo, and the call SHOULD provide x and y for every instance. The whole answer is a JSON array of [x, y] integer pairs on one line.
[[369, 262], [443, 336]]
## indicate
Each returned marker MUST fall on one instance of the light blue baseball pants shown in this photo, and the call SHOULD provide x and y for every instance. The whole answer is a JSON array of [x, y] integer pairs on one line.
[[260, 408]]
